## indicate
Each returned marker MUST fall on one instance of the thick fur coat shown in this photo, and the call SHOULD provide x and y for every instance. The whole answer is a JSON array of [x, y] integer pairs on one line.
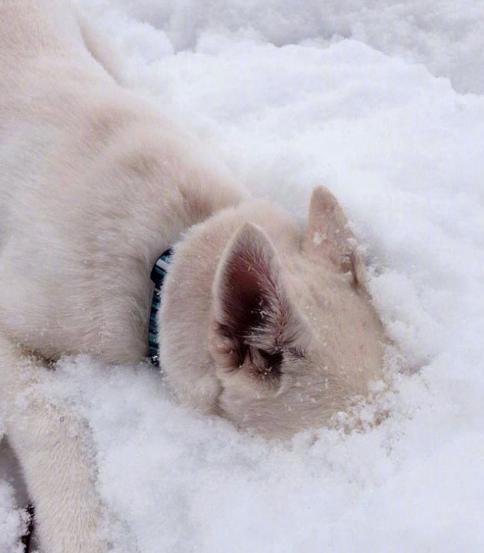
[[261, 323]]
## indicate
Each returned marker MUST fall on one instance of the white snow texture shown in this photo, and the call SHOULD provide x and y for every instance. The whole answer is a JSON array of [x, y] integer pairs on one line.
[[381, 101]]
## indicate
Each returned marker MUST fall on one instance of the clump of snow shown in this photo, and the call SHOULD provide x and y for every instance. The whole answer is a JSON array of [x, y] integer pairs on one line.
[[293, 94], [12, 519]]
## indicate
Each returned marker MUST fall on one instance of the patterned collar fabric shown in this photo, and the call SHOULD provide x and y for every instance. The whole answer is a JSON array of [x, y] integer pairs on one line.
[[157, 276]]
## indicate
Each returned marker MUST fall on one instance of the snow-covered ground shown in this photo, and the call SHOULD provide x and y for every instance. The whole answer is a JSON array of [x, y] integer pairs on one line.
[[383, 102]]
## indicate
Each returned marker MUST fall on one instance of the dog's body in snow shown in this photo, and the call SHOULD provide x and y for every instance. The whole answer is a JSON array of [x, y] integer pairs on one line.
[[260, 323]]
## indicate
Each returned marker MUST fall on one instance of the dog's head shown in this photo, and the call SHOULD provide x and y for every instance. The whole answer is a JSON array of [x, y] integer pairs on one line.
[[294, 336], [269, 326]]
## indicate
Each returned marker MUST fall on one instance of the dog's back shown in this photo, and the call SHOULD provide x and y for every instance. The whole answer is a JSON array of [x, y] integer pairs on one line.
[[46, 72], [95, 183], [35, 37], [59, 112]]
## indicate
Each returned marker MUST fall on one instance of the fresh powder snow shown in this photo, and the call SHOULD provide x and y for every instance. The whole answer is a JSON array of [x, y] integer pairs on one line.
[[383, 103]]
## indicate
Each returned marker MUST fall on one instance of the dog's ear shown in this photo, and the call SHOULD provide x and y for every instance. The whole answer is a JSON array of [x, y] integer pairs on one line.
[[328, 234], [252, 317]]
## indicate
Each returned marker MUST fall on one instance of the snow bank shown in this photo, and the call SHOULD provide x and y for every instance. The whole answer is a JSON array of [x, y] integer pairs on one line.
[[290, 102], [445, 35]]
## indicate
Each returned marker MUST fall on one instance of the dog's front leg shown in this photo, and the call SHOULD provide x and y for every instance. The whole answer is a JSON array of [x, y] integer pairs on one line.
[[53, 449]]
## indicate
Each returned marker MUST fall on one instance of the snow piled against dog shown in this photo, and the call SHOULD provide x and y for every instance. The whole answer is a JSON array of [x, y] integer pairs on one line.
[[383, 103]]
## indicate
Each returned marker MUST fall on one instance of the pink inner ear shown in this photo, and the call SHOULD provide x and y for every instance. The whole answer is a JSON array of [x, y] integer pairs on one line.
[[250, 306], [247, 291], [254, 319]]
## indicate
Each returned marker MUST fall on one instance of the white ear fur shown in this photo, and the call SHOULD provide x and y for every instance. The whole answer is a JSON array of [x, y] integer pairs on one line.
[[247, 275], [250, 307], [328, 234]]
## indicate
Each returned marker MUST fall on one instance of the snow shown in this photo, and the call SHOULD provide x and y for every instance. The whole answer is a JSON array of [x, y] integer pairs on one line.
[[382, 102], [444, 35], [11, 521], [12, 518]]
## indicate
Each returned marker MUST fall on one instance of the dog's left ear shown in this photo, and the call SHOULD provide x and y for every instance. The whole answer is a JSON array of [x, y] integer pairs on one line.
[[252, 315], [328, 235]]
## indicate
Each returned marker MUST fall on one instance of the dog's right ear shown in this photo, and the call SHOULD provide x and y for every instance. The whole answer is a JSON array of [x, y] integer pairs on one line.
[[252, 315], [328, 235]]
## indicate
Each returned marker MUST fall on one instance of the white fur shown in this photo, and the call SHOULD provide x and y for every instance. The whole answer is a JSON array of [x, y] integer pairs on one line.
[[94, 185]]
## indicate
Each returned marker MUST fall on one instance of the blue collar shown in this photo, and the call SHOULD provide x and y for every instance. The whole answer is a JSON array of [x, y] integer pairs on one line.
[[157, 276]]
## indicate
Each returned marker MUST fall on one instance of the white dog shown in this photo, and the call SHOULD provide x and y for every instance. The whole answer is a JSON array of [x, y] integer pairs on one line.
[[260, 323]]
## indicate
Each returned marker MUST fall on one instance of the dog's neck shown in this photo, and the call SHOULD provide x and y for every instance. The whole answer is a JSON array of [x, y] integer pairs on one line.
[[167, 196]]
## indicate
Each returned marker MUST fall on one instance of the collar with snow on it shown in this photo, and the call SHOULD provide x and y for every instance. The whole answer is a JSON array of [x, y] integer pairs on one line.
[[157, 276]]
